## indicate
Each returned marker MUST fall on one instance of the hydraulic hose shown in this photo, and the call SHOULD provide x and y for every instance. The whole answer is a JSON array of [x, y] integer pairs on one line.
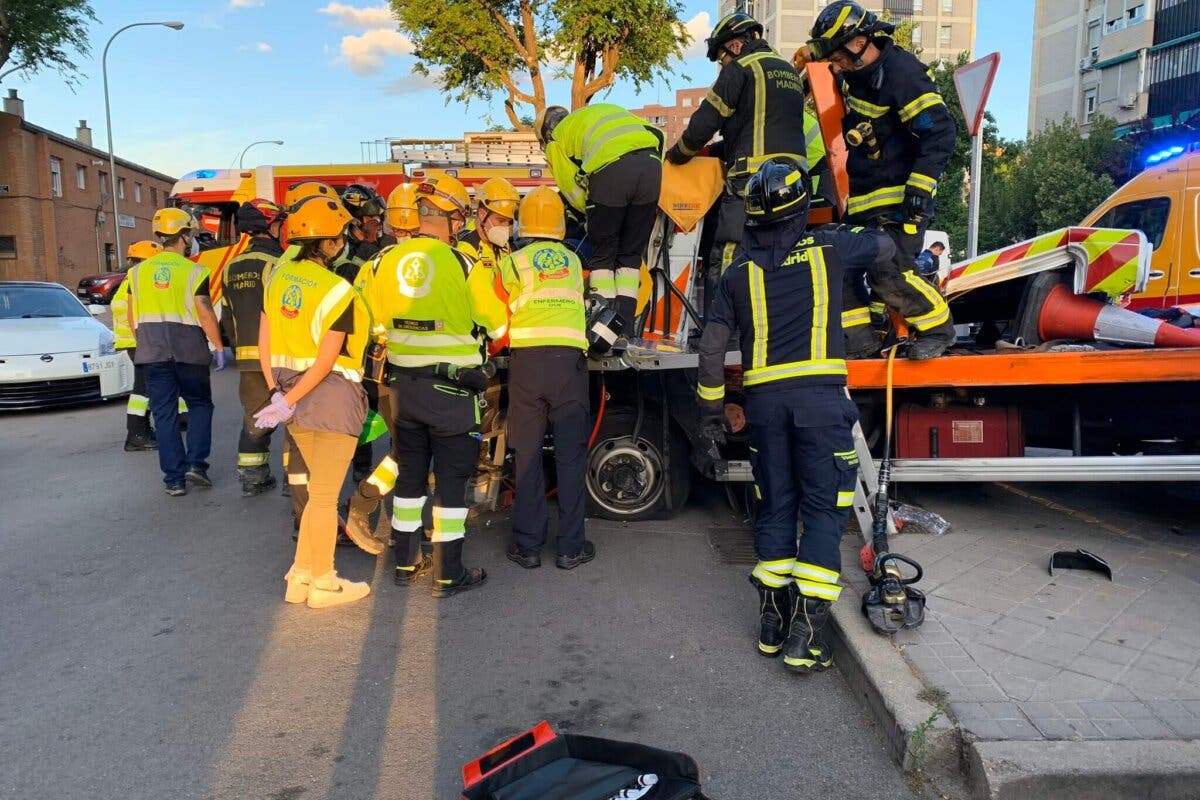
[[879, 540]]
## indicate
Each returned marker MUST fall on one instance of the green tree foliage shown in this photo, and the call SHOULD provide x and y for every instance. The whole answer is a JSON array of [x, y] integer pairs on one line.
[[485, 47], [35, 34]]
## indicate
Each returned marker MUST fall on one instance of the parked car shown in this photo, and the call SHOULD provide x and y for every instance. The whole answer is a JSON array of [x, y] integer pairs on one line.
[[99, 288], [52, 352]]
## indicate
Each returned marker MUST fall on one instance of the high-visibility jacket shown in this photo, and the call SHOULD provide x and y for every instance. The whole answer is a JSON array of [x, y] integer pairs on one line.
[[122, 333], [914, 132], [244, 279], [788, 313], [163, 291], [435, 305], [544, 282], [477, 246], [754, 105], [303, 301], [588, 140]]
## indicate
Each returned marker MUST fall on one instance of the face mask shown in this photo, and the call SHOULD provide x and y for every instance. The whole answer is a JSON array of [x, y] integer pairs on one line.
[[499, 234], [193, 246]]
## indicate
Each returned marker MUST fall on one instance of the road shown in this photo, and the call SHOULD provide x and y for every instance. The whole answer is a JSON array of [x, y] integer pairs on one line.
[[146, 651]]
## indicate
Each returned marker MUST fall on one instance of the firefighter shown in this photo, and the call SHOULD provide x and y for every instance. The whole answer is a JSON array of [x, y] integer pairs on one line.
[[434, 301], [401, 213], [784, 297], [245, 278], [495, 210], [547, 381], [171, 316], [755, 104], [608, 164], [312, 333], [304, 190], [900, 138], [139, 435]]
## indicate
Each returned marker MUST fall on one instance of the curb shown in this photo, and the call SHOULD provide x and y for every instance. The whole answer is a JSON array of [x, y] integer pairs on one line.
[[919, 735]]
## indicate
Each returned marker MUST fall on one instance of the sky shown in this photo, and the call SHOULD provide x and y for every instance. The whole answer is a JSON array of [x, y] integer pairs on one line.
[[326, 76]]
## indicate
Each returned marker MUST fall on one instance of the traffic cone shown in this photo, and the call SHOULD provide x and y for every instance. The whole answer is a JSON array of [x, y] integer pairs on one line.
[[1066, 315]]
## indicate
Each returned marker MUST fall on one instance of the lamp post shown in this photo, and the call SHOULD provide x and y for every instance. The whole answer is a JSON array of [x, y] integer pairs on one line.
[[112, 161], [263, 141]]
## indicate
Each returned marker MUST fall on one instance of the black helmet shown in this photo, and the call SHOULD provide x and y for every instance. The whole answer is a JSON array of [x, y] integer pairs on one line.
[[730, 27], [839, 23], [362, 201], [778, 191], [547, 121], [258, 215]]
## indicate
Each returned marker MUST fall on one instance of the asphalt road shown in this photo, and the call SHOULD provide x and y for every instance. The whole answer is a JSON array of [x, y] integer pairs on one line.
[[145, 651]]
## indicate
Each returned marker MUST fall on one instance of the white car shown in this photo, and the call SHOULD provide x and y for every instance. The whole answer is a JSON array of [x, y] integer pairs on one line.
[[52, 353]]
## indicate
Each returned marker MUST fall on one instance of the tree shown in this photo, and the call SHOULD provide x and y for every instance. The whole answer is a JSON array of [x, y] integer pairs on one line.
[[35, 34], [482, 47], [526, 121]]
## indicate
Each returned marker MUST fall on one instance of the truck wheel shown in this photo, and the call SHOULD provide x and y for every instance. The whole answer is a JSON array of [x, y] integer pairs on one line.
[[626, 480]]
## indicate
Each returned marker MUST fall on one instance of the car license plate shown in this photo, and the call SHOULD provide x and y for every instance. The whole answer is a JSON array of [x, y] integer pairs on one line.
[[97, 366], [81, 292]]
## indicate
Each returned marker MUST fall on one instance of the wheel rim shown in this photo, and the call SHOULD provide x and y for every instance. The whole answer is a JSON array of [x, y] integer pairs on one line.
[[625, 477]]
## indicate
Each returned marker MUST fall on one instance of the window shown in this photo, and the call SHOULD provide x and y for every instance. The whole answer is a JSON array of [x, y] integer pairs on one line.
[[56, 177], [80, 176], [154, 196], [1136, 13], [1148, 216], [944, 36], [1089, 104], [917, 36], [8, 247], [687, 102], [120, 188], [918, 6], [948, 6], [1094, 39], [102, 177], [137, 193]]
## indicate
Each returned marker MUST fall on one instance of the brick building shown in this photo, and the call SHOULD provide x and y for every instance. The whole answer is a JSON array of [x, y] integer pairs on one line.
[[55, 208], [672, 119]]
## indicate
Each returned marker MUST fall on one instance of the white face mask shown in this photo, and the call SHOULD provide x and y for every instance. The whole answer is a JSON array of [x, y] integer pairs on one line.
[[499, 234]]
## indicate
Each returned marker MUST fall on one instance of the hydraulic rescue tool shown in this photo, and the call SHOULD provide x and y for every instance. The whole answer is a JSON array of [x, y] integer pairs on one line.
[[892, 603]]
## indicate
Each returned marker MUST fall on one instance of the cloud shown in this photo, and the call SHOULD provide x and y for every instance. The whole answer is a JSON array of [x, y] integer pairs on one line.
[[364, 54], [246, 3], [699, 27], [262, 47], [360, 18], [411, 84]]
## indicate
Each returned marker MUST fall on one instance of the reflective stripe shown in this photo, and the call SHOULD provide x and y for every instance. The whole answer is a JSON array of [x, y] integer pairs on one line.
[[449, 524], [716, 102], [531, 334], [247, 353], [519, 302], [856, 317], [628, 281], [845, 499], [820, 305], [758, 316], [923, 182], [422, 339], [887, 196], [593, 140], [182, 406], [925, 101], [138, 405], [836, 27], [297, 364], [406, 513], [822, 591], [383, 477], [748, 165], [775, 574], [409, 360], [938, 315], [252, 459], [866, 109], [760, 107], [683, 148], [711, 392], [318, 325], [298, 478], [802, 569], [794, 369]]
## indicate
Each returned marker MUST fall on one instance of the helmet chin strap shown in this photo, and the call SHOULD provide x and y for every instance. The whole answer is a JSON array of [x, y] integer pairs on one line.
[[858, 61]]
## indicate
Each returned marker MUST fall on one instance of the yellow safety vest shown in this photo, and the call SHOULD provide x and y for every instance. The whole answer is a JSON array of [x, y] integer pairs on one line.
[[163, 295], [544, 281], [120, 317], [302, 302]]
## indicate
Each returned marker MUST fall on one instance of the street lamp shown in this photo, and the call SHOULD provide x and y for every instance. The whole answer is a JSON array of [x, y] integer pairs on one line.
[[264, 141], [112, 161]]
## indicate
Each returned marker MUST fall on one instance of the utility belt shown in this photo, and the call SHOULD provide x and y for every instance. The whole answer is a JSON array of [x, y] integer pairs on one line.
[[472, 378]]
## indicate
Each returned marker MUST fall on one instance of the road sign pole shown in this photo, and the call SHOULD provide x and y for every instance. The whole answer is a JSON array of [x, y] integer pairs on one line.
[[973, 200]]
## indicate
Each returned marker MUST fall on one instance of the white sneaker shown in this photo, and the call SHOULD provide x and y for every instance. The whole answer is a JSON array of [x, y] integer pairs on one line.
[[298, 581], [330, 590]]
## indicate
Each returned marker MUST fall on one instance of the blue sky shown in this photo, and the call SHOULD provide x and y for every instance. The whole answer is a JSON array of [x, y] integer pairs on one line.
[[325, 76]]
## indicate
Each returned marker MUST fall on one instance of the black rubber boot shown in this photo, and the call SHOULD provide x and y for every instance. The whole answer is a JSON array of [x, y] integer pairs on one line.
[[255, 480], [407, 575], [861, 342], [136, 443], [932, 343], [449, 575], [774, 611], [805, 650]]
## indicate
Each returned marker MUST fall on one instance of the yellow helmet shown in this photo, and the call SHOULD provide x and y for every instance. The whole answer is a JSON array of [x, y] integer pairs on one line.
[[143, 250], [317, 218], [498, 196], [402, 208], [542, 215], [171, 221], [299, 191], [445, 192]]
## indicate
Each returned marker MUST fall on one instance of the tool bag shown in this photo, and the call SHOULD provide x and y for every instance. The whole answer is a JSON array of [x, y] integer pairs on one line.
[[542, 765]]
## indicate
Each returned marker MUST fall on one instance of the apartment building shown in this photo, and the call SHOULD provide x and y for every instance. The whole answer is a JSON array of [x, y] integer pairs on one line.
[[673, 119], [941, 28]]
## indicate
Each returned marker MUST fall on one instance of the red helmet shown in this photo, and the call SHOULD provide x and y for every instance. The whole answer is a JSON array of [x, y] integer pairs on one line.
[[257, 215]]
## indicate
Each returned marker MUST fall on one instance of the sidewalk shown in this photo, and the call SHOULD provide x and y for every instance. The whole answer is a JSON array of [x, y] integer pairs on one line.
[[1023, 656]]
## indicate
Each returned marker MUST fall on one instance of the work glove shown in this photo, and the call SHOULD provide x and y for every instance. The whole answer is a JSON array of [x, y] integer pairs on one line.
[[676, 155], [917, 207], [220, 357], [275, 413], [712, 427]]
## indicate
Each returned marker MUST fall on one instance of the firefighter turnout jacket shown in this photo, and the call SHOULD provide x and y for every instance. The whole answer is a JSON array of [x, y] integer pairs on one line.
[[544, 283], [163, 291], [244, 279], [435, 305], [786, 301], [914, 134], [588, 140]]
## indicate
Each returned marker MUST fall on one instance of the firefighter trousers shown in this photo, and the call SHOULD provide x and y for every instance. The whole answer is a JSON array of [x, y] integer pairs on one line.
[[548, 385], [621, 207], [802, 451], [137, 408], [437, 423], [254, 444]]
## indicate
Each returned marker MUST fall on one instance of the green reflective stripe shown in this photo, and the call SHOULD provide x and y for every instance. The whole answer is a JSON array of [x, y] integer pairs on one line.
[[595, 139], [856, 317], [925, 101], [628, 280], [448, 523], [865, 108], [923, 182], [887, 196], [716, 102], [181, 406], [760, 107], [939, 313], [754, 58], [822, 591], [794, 369], [820, 305], [845, 499], [252, 459], [406, 513], [711, 392], [546, 333], [803, 569], [775, 574], [138, 405], [758, 316]]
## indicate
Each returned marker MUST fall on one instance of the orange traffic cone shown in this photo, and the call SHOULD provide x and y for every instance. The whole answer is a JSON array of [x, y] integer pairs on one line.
[[1066, 315]]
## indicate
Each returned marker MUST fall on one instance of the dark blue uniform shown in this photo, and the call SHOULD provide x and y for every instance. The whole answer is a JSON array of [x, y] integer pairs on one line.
[[785, 299]]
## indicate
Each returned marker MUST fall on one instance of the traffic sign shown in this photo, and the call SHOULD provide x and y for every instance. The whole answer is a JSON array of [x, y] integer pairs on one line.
[[974, 83]]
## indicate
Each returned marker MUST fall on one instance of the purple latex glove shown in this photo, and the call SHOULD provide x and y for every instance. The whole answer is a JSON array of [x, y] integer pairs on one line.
[[220, 355], [276, 413]]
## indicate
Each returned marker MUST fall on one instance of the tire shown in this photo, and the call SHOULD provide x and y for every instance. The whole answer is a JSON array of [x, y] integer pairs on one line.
[[626, 480]]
